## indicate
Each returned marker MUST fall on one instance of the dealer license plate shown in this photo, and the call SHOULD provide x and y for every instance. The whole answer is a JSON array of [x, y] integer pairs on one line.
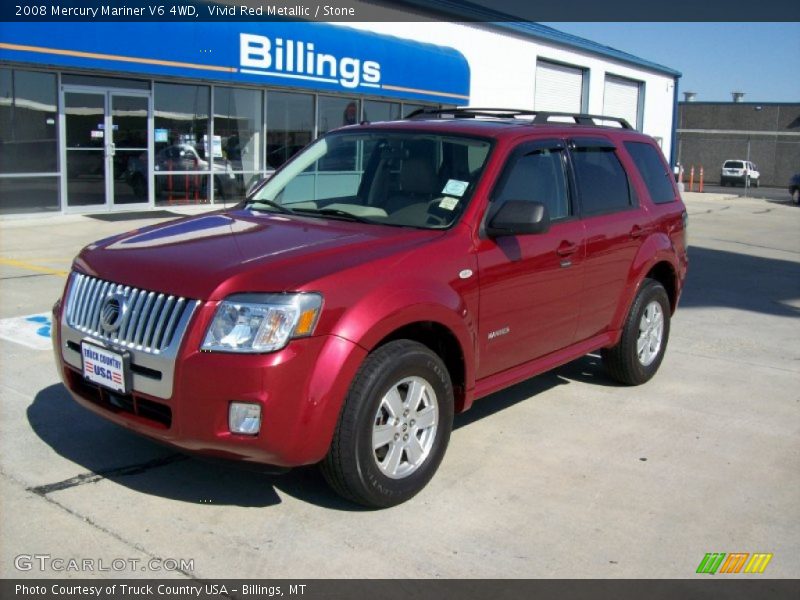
[[104, 367]]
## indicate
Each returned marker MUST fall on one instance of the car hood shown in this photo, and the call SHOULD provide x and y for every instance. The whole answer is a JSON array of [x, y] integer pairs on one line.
[[213, 255]]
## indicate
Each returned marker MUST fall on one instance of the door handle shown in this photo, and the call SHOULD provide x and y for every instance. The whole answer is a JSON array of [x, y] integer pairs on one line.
[[637, 231], [566, 248]]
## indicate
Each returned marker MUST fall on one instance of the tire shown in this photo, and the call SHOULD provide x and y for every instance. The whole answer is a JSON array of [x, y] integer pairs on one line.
[[796, 196], [629, 363], [377, 409], [754, 182]]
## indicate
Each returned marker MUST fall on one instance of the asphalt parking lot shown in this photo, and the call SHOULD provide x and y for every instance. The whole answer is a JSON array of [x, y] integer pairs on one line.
[[566, 475]]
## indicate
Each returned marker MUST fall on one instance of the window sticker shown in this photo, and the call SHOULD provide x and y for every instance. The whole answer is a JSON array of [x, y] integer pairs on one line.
[[448, 203], [454, 187]]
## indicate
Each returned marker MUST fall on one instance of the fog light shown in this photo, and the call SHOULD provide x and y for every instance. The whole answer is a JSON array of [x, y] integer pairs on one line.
[[244, 417]]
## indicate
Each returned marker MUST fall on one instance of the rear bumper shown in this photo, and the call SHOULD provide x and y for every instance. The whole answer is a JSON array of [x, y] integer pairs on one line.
[[300, 390], [736, 178]]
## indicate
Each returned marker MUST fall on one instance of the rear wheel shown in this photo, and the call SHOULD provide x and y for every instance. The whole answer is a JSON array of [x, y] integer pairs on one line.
[[637, 356], [394, 427], [796, 196]]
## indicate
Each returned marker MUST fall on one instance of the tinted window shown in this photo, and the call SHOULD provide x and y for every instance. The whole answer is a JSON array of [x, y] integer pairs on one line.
[[290, 125], [733, 164], [653, 171], [375, 110], [602, 182], [537, 177], [181, 113], [27, 122]]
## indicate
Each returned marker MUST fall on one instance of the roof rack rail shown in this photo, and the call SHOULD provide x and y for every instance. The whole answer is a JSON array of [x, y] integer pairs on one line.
[[580, 118], [466, 112], [539, 117]]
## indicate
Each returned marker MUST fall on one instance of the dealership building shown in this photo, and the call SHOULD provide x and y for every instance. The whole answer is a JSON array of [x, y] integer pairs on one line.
[[104, 116]]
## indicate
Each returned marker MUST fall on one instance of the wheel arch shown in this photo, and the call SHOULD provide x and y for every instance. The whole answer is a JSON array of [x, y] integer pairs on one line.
[[444, 343], [665, 274], [656, 260]]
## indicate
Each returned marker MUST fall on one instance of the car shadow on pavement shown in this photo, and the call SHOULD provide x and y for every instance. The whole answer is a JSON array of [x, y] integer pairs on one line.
[[786, 202], [587, 369], [105, 451], [718, 278]]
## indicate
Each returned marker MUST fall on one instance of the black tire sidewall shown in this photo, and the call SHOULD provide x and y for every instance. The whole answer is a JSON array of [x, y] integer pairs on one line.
[[650, 290], [418, 361]]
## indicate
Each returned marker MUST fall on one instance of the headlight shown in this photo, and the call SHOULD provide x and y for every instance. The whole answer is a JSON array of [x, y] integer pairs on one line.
[[261, 322]]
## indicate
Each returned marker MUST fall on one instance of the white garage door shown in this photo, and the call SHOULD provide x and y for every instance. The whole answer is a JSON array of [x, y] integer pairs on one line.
[[621, 99], [558, 88]]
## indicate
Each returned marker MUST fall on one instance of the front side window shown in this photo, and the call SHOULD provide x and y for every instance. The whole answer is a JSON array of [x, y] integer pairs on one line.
[[537, 176], [602, 181], [388, 177]]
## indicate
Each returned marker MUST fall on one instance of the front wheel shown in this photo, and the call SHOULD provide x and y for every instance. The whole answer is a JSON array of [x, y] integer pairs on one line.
[[394, 427], [637, 356], [796, 196]]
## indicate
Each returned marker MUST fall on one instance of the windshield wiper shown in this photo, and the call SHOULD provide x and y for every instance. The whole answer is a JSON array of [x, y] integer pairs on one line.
[[279, 207], [334, 212]]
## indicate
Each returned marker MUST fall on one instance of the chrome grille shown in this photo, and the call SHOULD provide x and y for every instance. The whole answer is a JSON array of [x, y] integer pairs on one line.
[[151, 323]]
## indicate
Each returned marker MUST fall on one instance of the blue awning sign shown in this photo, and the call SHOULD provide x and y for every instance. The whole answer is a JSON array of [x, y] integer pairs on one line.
[[313, 56]]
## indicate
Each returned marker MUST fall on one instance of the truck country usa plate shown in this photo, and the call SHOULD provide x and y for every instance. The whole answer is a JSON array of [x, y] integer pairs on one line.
[[104, 367]]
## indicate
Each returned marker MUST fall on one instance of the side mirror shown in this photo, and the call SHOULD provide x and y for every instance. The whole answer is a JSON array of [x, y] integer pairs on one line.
[[519, 217]]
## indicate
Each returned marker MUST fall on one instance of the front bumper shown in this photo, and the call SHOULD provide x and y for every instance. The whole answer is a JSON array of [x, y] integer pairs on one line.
[[300, 389]]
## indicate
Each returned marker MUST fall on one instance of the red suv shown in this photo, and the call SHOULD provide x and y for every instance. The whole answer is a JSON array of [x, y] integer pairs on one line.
[[381, 281]]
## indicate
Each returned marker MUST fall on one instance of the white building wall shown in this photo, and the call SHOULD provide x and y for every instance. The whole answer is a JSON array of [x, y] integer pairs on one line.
[[503, 68]]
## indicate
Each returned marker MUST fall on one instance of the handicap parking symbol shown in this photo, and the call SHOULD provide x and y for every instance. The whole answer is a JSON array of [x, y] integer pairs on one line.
[[32, 331]]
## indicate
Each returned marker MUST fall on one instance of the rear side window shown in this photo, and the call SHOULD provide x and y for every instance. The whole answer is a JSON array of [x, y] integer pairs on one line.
[[653, 171], [602, 182], [537, 176]]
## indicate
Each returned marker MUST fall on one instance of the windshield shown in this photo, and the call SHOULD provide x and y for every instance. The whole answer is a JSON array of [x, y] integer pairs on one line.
[[389, 177], [734, 164]]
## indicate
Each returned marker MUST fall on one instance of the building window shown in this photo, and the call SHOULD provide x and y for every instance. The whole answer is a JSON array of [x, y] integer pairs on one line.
[[28, 194], [238, 115], [375, 110], [28, 139], [335, 111], [183, 149], [410, 108], [290, 125]]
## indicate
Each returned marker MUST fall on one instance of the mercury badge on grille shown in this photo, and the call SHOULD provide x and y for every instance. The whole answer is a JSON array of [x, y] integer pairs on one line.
[[113, 311]]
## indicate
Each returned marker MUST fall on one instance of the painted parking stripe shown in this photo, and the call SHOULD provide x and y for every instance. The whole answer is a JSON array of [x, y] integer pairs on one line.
[[21, 264], [32, 331]]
